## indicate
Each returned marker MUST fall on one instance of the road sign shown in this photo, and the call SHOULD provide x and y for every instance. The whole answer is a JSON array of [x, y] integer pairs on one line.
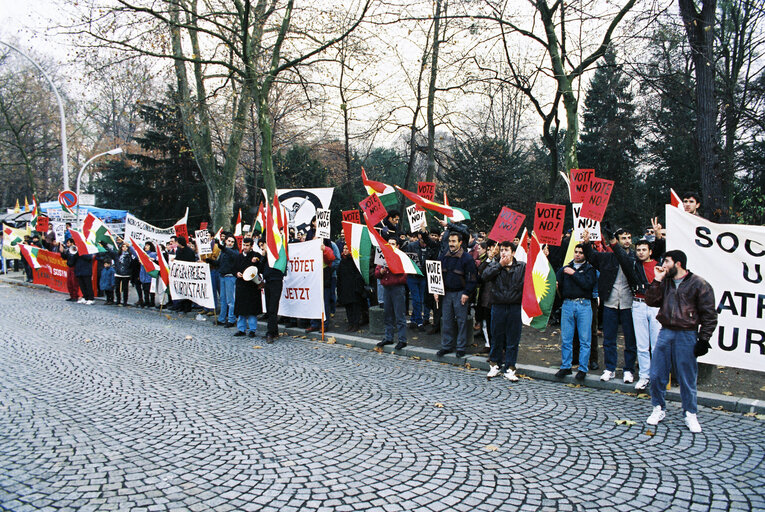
[[67, 198], [87, 199]]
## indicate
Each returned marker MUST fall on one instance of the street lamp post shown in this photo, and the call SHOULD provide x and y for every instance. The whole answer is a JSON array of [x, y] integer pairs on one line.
[[115, 151], [64, 162]]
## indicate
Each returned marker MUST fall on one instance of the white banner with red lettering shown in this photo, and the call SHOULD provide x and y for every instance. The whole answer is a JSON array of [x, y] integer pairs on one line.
[[303, 290], [731, 258]]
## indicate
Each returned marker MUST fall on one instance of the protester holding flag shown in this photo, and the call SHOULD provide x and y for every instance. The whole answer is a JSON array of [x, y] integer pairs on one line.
[[69, 254], [350, 290], [227, 268], [576, 281], [123, 263], [145, 297], [247, 303], [507, 276], [394, 302], [460, 280]]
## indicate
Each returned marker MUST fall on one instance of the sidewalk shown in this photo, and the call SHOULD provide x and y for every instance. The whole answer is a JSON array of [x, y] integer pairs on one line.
[[539, 355]]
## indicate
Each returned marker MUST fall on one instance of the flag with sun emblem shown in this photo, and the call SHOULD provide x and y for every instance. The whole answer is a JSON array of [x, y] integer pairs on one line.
[[360, 245], [538, 288]]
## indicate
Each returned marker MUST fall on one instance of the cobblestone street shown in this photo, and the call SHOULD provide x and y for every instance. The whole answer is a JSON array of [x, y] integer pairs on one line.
[[104, 408]]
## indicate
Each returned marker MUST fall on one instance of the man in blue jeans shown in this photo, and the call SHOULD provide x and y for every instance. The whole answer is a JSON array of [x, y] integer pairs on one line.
[[506, 276], [394, 286], [576, 282], [460, 280], [688, 318], [420, 251], [615, 291]]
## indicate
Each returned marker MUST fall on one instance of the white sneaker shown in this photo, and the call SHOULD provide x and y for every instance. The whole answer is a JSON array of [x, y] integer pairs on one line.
[[81, 300], [642, 383], [656, 416], [692, 422], [493, 371], [607, 375], [89, 302], [511, 376], [628, 377]]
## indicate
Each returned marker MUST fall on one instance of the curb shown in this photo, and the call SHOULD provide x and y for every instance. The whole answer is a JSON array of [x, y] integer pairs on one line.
[[712, 400]]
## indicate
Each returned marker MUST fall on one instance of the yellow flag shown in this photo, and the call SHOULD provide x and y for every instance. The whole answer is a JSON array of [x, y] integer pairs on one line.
[[26, 204], [18, 208]]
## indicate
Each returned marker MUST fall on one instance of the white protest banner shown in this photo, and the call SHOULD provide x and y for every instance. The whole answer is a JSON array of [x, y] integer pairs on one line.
[[143, 232], [191, 280], [731, 258], [204, 245], [582, 223], [301, 204], [379, 258], [322, 223], [303, 290], [435, 277], [417, 221]]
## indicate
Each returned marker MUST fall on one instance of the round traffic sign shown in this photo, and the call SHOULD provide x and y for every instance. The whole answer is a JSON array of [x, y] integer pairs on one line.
[[67, 198]]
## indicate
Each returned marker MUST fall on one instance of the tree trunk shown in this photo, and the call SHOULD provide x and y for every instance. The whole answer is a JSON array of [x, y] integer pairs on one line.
[[266, 145], [699, 27], [431, 173]]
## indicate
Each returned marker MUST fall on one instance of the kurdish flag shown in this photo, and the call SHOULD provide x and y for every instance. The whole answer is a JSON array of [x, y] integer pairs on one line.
[[386, 193], [260, 220], [96, 231], [164, 270], [398, 262], [35, 212], [11, 236], [149, 266], [538, 288], [84, 245], [453, 214], [30, 254], [238, 225], [357, 238], [276, 249], [675, 200], [520, 251]]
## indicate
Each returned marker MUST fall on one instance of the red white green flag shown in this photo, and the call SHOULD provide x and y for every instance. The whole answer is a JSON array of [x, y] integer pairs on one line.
[[385, 192], [11, 236], [164, 270], [238, 225], [357, 238], [398, 262], [260, 220], [35, 212], [149, 266], [95, 231], [84, 245], [30, 254], [538, 288], [675, 200], [452, 213], [276, 247]]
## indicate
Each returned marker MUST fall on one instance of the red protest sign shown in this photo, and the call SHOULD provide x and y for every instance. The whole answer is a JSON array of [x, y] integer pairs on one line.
[[594, 206], [507, 225], [353, 216], [426, 189], [181, 230], [580, 184], [548, 222], [42, 224], [53, 271], [374, 209], [202, 225]]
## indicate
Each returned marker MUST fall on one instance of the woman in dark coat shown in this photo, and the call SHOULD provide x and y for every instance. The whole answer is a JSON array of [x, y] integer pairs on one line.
[[350, 290], [247, 302]]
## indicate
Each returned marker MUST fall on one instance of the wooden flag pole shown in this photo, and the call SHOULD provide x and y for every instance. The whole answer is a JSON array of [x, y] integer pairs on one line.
[[322, 326]]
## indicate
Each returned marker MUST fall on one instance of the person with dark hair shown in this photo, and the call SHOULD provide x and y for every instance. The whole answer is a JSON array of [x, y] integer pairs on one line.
[[394, 303], [576, 282], [107, 281], [692, 203], [183, 253], [330, 262], [69, 254], [273, 288], [227, 259], [460, 280], [506, 276], [420, 251], [145, 297], [350, 289], [486, 255], [122, 270], [644, 316], [615, 284], [247, 303], [688, 317]]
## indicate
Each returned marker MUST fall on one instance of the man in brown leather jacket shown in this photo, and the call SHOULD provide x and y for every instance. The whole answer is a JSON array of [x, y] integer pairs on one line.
[[688, 318]]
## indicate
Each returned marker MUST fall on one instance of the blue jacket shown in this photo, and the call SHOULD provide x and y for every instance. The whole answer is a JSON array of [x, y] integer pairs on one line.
[[578, 285], [227, 260], [83, 266], [460, 273], [107, 279], [144, 276]]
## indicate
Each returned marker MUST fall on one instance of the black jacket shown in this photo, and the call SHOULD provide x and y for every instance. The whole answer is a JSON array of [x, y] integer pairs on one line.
[[688, 307], [578, 285], [420, 254], [185, 254], [507, 282], [608, 264], [350, 284], [123, 263]]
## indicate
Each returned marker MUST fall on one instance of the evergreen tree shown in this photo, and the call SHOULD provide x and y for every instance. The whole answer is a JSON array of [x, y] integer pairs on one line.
[[297, 168], [608, 142], [158, 183]]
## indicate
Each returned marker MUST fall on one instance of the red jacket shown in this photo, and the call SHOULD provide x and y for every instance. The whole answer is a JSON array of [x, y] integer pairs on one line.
[[388, 278]]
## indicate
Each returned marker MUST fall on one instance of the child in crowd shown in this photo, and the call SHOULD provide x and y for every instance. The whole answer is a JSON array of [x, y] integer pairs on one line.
[[107, 281]]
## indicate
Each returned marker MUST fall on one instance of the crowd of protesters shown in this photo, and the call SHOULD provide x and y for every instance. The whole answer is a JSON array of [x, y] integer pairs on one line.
[[667, 314]]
